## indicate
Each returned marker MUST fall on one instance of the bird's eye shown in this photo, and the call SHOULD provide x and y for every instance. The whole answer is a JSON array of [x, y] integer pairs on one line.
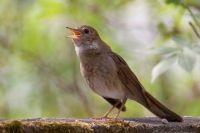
[[86, 31]]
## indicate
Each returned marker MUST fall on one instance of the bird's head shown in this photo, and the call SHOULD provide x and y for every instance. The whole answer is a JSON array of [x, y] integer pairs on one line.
[[86, 39], [83, 35]]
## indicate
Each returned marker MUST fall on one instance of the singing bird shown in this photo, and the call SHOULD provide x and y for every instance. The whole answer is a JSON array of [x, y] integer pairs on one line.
[[108, 74]]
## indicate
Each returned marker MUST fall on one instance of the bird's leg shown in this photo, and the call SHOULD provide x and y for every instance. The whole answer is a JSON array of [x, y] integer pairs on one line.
[[108, 112], [105, 116], [120, 109]]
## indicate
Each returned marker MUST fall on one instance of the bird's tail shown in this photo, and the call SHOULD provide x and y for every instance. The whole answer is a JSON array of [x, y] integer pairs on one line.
[[160, 110]]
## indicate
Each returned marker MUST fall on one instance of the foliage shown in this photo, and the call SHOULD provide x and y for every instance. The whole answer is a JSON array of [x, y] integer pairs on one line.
[[183, 49], [39, 71]]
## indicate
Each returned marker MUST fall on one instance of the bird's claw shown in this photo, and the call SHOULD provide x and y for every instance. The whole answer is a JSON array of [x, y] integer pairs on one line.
[[108, 119], [102, 118], [119, 119]]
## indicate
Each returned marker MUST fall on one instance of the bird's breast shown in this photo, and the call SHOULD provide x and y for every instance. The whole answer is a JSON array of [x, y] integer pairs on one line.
[[101, 75]]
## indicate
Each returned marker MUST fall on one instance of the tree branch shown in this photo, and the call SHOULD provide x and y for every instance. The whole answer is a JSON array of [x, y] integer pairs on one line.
[[194, 29]]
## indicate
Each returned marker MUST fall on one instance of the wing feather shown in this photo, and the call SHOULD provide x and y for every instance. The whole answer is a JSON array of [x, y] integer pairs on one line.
[[129, 79]]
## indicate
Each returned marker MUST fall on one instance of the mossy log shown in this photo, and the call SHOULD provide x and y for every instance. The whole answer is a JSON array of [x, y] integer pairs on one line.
[[71, 125]]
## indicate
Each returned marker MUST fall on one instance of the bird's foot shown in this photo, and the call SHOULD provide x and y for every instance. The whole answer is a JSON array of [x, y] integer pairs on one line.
[[108, 119], [117, 119], [102, 118]]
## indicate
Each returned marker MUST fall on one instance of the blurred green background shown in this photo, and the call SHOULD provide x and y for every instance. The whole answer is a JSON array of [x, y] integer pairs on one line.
[[39, 71]]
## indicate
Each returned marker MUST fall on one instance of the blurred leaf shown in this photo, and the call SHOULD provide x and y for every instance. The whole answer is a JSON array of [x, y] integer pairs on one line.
[[165, 50], [187, 61], [175, 2], [193, 107], [162, 67], [181, 41], [33, 47], [51, 8], [197, 49]]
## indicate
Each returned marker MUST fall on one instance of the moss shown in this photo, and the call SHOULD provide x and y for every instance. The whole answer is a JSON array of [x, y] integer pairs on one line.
[[197, 125], [61, 127], [56, 126], [13, 127], [89, 126], [113, 126]]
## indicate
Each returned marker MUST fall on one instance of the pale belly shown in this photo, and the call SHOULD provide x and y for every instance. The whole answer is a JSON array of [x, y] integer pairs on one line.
[[107, 87], [103, 79]]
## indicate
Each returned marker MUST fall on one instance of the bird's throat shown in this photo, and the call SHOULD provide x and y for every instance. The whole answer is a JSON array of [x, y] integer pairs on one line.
[[88, 50]]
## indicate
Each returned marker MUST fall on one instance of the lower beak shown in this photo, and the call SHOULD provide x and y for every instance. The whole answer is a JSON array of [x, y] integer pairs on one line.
[[76, 33]]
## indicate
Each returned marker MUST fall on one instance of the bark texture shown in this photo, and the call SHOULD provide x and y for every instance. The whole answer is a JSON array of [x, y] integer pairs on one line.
[[72, 125]]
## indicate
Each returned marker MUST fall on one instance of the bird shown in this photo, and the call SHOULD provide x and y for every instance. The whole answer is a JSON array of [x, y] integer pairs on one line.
[[108, 75]]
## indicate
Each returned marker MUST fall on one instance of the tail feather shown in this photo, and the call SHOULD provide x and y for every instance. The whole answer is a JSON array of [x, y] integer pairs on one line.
[[160, 110]]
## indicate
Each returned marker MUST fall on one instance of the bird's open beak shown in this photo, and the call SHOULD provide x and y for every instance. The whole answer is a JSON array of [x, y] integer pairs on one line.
[[76, 33]]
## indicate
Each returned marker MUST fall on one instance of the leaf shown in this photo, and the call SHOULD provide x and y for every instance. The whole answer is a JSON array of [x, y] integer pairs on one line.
[[187, 61], [51, 8], [197, 49], [175, 2], [165, 50], [181, 41], [162, 67]]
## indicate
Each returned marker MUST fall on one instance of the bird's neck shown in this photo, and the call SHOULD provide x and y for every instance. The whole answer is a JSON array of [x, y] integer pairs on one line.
[[91, 49]]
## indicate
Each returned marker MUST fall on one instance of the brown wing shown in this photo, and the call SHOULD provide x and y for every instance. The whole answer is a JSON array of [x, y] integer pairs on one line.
[[138, 93], [129, 80]]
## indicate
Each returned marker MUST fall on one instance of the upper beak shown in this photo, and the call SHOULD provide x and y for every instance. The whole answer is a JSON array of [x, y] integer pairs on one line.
[[76, 33]]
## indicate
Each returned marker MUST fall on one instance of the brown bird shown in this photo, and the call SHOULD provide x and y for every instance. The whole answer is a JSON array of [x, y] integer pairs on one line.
[[109, 75]]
